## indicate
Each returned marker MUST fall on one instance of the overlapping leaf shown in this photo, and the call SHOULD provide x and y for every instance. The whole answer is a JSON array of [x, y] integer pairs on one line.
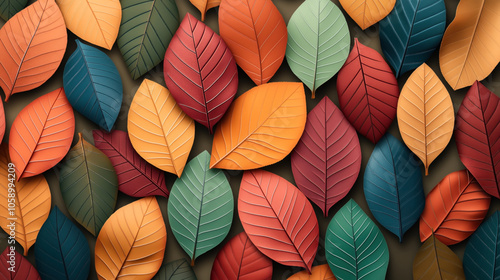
[[176, 270], [2, 122], [22, 270], [320, 272], [204, 5], [8, 8], [367, 12]]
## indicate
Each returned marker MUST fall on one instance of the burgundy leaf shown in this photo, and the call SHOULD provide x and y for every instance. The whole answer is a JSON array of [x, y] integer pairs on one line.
[[23, 270]]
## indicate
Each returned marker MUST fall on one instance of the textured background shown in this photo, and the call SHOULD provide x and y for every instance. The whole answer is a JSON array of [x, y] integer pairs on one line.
[[401, 254]]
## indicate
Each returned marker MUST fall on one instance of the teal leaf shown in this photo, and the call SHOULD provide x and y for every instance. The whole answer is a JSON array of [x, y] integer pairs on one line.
[[176, 270], [8, 8]]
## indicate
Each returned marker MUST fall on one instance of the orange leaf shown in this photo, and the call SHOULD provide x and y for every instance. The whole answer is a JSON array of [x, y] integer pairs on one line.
[[367, 12], [319, 272], [33, 45], [204, 5]]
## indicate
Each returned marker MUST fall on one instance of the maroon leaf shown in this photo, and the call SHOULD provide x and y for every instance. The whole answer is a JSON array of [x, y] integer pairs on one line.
[[136, 177], [327, 159], [368, 92], [200, 72], [23, 270]]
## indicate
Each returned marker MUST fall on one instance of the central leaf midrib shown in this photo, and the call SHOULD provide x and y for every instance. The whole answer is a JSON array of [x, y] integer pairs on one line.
[[201, 209], [91, 194]]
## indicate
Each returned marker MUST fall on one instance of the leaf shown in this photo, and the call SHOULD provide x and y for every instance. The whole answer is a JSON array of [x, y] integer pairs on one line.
[[136, 177], [101, 21], [23, 270], [355, 247], [368, 92], [256, 34], [477, 133], [240, 259], [327, 159], [93, 85], [204, 5], [176, 270], [469, 50], [33, 45], [2, 122], [159, 130], [411, 33], [61, 250], [264, 124], [393, 186], [278, 219], [141, 47], [436, 261], [319, 272], [454, 208], [367, 12], [89, 185], [8, 8], [319, 42], [41, 134], [136, 234], [425, 115], [200, 72], [200, 207]]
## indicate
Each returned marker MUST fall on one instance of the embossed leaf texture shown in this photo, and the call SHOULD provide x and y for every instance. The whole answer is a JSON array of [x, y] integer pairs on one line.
[[89, 185], [145, 31], [367, 12], [200, 72], [200, 207], [261, 127], [136, 177], [477, 136], [327, 159], [101, 20], [425, 115], [411, 33], [61, 250], [256, 34], [41, 134], [176, 270], [318, 42], [319, 272], [159, 130], [93, 85], [2, 122], [393, 186], [368, 92], [278, 219], [136, 235], [204, 5], [33, 45], [240, 259], [23, 270], [454, 208], [470, 47], [8, 8]]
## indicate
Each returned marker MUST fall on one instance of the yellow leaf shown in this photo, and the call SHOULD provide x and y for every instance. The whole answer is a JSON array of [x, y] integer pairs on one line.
[[320, 272], [367, 12], [204, 5]]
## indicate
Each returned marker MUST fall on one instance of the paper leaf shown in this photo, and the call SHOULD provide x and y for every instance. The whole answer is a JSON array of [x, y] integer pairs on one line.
[[93, 21], [411, 33], [264, 125], [141, 46], [240, 259], [41, 134], [434, 260], [425, 115], [33, 45], [256, 34], [23, 270], [2, 122], [355, 247], [200, 207], [367, 12], [136, 177], [368, 92], [477, 133], [319, 272], [200, 72], [393, 186], [278, 219], [8, 8], [327, 159], [159, 130], [204, 5], [318, 43], [136, 234], [93, 85], [469, 50], [454, 208], [176, 270], [61, 250]]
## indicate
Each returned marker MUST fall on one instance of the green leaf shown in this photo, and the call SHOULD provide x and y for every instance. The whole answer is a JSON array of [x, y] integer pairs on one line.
[[145, 32], [9, 8], [175, 270], [355, 247], [89, 185], [200, 207], [318, 42]]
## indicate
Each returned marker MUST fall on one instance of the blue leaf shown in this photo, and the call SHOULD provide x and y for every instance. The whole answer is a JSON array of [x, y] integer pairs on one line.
[[61, 250], [93, 85], [393, 186], [411, 32]]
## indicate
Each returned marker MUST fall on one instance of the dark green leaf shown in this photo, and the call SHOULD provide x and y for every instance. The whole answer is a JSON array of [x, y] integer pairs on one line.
[[175, 270]]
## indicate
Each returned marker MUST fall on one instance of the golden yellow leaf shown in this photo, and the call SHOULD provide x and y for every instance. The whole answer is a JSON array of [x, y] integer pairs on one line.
[[367, 12], [204, 5], [319, 272]]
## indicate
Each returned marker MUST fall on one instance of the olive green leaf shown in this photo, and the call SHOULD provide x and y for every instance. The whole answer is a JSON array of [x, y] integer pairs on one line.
[[176, 270]]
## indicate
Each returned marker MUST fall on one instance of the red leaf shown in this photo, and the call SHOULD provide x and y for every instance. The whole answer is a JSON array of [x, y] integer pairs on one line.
[[200, 72], [278, 219], [368, 92], [136, 177], [477, 136], [23, 269], [239, 259], [327, 159]]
